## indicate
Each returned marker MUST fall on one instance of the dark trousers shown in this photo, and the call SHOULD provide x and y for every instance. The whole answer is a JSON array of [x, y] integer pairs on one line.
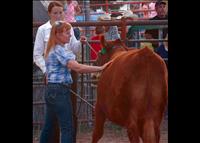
[[58, 106], [55, 137]]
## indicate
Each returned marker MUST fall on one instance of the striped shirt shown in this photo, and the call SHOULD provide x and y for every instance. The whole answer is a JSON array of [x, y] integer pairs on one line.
[[56, 65]]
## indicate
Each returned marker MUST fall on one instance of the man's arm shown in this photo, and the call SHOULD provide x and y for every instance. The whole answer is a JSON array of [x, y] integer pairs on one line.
[[38, 51], [74, 45]]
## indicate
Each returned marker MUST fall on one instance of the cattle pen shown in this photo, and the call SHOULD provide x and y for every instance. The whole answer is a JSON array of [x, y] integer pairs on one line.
[[85, 87]]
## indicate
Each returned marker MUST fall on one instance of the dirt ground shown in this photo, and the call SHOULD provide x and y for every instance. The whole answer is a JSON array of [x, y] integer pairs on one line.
[[113, 134], [119, 136]]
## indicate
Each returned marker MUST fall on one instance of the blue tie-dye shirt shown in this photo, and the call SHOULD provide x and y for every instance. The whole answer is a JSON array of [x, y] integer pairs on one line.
[[112, 33], [56, 64]]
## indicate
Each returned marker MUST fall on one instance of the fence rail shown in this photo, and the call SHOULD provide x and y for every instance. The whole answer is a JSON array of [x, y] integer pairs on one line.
[[113, 23]]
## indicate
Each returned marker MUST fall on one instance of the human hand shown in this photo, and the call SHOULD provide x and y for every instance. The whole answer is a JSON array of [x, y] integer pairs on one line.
[[83, 39], [106, 64]]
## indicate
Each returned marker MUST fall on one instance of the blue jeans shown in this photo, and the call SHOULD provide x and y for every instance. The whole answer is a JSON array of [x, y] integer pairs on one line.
[[58, 105]]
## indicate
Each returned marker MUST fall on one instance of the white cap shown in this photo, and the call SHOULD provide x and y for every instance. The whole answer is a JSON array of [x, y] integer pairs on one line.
[[129, 14], [104, 17]]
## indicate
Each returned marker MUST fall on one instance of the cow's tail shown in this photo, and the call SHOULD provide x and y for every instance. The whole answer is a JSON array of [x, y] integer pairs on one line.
[[149, 135]]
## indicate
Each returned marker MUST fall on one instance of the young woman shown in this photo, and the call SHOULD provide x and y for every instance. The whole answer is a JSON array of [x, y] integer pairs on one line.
[[55, 12], [59, 64]]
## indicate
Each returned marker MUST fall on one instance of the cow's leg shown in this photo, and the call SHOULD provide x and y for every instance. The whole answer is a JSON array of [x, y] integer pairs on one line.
[[133, 133], [99, 125], [157, 132], [132, 130], [149, 133]]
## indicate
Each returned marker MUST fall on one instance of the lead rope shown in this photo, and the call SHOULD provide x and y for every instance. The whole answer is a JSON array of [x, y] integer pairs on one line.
[[91, 48], [81, 98]]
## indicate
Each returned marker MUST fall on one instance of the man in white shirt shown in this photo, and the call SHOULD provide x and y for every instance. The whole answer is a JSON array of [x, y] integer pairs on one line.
[[41, 41]]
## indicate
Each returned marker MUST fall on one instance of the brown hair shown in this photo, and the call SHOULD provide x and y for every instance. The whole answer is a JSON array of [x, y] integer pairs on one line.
[[58, 27], [53, 4]]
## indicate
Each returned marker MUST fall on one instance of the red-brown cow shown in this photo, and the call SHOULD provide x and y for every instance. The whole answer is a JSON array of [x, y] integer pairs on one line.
[[132, 92]]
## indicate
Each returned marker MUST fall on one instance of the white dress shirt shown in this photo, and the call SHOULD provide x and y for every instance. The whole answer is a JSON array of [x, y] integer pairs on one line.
[[41, 41]]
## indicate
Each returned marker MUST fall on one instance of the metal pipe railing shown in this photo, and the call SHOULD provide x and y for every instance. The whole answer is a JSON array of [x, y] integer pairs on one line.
[[120, 3], [113, 23], [120, 22]]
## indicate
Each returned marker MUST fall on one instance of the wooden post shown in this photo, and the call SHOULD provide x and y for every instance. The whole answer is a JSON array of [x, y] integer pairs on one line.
[[74, 101], [107, 6], [123, 29]]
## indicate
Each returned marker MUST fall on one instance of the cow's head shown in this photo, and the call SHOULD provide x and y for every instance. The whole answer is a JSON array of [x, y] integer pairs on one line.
[[109, 48]]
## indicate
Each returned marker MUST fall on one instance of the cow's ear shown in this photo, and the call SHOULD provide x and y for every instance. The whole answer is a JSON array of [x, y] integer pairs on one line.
[[118, 41], [103, 41]]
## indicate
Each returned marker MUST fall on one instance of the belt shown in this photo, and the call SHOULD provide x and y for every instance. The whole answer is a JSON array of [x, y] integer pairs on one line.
[[62, 84]]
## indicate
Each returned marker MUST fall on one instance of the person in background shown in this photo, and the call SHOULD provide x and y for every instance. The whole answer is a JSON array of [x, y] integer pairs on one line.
[[147, 44], [132, 32], [59, 64], [71, 9], [152, 7], [111, 32], [145, 8], [161, 10], [134, 8], [162, 50], [99, 31]]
